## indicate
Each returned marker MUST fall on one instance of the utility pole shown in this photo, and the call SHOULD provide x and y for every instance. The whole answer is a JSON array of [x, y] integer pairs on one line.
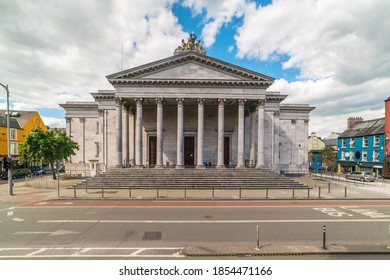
[[10, 184]]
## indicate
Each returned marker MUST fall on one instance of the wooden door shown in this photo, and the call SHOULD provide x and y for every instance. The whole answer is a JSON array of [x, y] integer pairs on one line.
[[226, 151], [189, 150], [152, 150]]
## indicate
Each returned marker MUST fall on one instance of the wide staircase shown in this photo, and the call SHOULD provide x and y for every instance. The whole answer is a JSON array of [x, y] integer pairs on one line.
[[171, 178]]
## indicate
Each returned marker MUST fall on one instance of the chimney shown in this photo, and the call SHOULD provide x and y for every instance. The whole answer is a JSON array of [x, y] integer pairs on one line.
[[352, 121]]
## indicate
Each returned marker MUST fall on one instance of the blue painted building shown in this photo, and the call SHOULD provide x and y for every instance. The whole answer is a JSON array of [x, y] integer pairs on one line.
[[361, 146]]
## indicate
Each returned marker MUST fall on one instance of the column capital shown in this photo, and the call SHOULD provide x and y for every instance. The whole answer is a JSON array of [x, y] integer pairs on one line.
[[83, 120], [277, 114], [118, 101], [221, 101], [139, 100], [68, 119], [260, 103], [306, 122], [101, 112], [293, 121], [200, 101], [159, 101], [241, 102], [180, 101]]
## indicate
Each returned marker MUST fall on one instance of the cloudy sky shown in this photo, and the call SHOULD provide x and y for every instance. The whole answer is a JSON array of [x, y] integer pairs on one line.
[[331, 54]]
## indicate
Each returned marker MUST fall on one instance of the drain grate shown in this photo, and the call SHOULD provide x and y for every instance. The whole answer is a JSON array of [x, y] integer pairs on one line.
[[152, 235]]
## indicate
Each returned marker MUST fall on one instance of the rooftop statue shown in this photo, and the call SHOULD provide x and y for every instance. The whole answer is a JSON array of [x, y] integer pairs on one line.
[[190, 45]]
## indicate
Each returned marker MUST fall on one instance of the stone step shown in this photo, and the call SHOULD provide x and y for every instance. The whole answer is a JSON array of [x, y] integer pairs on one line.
[[187, 178]]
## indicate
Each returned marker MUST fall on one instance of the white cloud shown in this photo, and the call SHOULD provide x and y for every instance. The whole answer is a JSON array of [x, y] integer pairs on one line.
[[341, 49], [57, 51], [217, 13]]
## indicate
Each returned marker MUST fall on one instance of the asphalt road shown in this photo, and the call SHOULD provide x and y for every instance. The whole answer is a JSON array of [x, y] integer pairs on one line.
[[59, 228]]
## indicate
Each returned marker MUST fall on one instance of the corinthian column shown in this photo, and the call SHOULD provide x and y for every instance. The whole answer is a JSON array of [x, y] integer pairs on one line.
[[138, 134], [260, 133], [276, 139], [119, 158], [159, 163], [221, 132], [200, 132], [180, 133], [241, 124]]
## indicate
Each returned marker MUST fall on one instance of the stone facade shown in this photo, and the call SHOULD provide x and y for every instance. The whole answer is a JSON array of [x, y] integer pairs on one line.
[[189, 110]]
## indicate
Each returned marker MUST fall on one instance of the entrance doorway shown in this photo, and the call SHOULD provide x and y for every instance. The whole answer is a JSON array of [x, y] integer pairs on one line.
[[226, 151], [189, 150], [152, 150]]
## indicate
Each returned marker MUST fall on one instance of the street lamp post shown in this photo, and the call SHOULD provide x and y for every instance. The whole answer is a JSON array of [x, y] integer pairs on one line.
[[10, 184]]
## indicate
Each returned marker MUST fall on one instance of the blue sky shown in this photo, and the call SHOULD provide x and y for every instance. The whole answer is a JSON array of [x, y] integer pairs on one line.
[[331, 54]]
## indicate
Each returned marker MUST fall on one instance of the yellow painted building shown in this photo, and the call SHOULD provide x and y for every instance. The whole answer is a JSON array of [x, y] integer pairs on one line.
[[21, 123]]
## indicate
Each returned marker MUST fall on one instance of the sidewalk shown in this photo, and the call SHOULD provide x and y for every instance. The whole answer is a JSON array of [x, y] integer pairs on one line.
[[45, 188], [280, 250]]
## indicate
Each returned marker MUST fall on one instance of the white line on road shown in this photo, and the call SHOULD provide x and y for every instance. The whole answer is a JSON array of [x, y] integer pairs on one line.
[[211, 221]]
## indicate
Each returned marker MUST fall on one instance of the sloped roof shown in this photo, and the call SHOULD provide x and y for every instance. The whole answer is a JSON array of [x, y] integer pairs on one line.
[[152, 73], [370, 127], [24, 117], [13, 123]]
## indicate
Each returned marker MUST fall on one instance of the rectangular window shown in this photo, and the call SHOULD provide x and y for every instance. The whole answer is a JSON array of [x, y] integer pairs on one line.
[[375, 156], [96, 149], [352, 143], [14, 148], [343, 143], [364, 156], [376, 140], [342, 155], [365, 141], [14, 134]]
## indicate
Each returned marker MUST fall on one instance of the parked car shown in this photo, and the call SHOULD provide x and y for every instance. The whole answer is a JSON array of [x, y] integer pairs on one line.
[[361, 176], [17, 173], [40, 171]]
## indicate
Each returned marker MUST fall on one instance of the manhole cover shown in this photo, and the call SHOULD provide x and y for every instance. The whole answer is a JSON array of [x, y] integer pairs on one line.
[[152, 235]]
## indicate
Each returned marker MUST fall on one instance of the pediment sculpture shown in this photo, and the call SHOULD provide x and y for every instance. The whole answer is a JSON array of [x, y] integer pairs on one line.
[[190, 45]]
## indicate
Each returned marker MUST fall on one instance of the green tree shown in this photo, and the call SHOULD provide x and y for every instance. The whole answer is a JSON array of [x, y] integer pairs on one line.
[[48, 146]]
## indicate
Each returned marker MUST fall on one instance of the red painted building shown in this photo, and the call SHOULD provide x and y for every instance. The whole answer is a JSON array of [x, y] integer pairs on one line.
[[386, 169]]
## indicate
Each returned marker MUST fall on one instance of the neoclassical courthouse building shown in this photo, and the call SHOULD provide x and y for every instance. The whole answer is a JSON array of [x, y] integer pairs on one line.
[[188, 110]]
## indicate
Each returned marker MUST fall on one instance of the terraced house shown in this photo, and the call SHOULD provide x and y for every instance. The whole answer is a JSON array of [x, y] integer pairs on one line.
[[189, 110], [361, 146]]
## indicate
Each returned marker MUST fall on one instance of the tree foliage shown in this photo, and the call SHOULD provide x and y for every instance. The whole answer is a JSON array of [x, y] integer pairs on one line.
[[48, 146]]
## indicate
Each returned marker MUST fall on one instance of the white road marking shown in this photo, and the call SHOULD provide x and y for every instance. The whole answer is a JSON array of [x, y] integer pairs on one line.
[[10, 213], [51, 233], [18, 220], [210, 221], [173, 252]]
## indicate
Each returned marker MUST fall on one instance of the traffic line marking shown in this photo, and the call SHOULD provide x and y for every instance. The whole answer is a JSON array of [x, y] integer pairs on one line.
[[211, 221]]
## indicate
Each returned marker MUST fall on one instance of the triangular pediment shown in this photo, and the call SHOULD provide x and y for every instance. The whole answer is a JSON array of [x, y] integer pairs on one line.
[[189, 66]]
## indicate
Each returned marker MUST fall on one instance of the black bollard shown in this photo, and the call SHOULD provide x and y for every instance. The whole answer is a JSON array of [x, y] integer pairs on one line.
[[324, 237]]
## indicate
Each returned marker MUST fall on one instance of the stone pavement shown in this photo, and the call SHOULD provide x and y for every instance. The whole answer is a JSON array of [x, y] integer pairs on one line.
[[282, 250]]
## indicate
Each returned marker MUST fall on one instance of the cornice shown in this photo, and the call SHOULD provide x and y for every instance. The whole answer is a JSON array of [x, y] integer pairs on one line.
[[185, 83]]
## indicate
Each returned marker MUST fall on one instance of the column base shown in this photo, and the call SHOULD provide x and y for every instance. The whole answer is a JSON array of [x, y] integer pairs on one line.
[[180, 167], [241, 167], [139, 166], [200, 167], [220, 167], [119, 166], [159, 167], [259, 166]]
